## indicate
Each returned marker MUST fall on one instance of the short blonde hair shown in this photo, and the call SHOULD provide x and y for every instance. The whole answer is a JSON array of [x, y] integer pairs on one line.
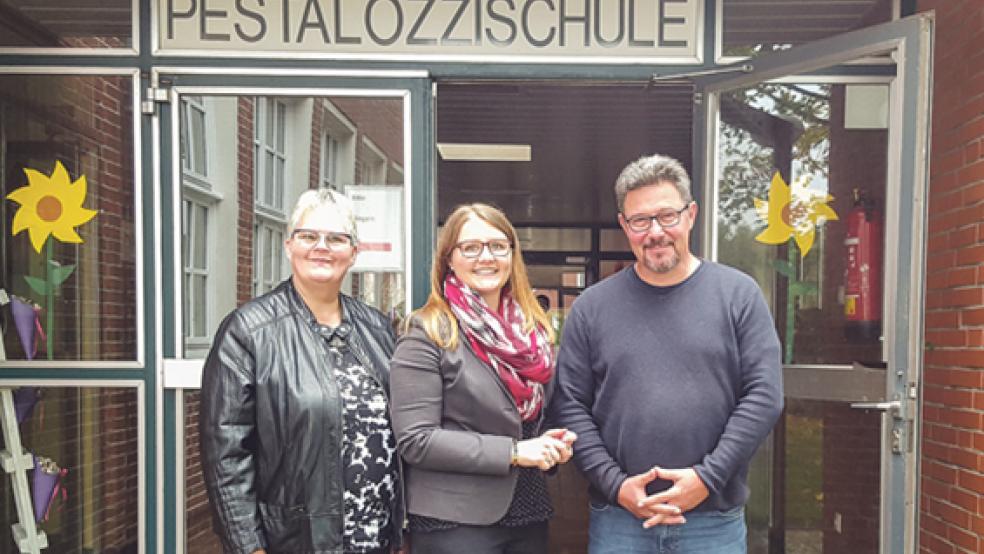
[[317, 198]]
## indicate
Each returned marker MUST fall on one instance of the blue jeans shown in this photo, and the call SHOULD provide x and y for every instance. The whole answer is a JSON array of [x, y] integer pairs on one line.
[[614, 530]]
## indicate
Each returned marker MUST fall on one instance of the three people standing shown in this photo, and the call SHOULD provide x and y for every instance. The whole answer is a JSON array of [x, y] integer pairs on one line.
[[668, 379]]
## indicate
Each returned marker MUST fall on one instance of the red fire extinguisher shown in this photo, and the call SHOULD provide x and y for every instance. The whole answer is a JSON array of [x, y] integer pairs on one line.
[[863, 274]]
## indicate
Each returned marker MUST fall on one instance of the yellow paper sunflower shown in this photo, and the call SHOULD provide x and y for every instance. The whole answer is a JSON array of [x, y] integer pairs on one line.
[[793, 212], [50, 205]]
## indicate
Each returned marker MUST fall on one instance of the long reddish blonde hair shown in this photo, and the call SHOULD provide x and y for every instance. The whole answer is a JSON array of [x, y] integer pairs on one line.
[[436, 317]]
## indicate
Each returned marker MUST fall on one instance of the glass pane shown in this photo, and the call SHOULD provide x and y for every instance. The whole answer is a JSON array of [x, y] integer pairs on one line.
[[67, 23], [753, 26], [185, 232], [611, 267], [189, 300], [200, 305], [198, 133], [580, 137], [278, 189], [267, 184], [268, 106], [799, 185], [199, 536], [832, 463], [268, 260], [554, 276], [201, 237], [185, 156], [613, 240], [258, 239], [281, 127], [557, 239], [92, 433], [56, 133]]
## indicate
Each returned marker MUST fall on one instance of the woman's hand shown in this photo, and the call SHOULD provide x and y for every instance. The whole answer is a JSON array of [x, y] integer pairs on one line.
[[549, 449]]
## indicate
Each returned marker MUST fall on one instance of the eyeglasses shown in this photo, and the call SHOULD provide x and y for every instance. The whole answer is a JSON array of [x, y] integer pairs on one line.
[[309, 239], [665, 218], [499, 248]]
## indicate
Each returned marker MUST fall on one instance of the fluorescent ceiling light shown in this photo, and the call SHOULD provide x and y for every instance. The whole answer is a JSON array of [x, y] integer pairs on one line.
[[462, 152]]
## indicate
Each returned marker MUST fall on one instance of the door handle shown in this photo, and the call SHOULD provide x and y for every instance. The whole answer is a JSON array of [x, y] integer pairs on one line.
[[893, 407]]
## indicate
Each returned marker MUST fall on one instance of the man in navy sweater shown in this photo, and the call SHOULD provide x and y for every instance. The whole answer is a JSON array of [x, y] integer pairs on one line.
[[669, 372]]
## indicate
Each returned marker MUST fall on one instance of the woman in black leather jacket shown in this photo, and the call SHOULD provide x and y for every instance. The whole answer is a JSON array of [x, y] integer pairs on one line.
[[297, 449]]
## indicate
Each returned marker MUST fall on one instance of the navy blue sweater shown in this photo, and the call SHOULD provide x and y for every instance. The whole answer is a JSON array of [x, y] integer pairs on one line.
[[682, 376]]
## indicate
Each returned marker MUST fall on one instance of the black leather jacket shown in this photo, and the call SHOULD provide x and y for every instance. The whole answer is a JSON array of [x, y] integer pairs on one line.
[[271, 424]]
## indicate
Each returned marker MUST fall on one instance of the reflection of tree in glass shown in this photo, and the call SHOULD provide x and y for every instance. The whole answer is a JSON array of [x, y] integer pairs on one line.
[[764, 128]]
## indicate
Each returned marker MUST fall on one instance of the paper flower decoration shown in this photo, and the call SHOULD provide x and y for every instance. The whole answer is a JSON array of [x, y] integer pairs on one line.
[[50, 206], [46, 485], [793, 212]]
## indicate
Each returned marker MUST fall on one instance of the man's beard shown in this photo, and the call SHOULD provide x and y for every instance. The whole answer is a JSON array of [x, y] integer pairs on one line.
[[666, 264]]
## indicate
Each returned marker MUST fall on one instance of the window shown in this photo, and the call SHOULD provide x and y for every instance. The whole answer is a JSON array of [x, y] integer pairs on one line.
[[330, 152], [373, 163], [269, 149], [194, 257], [270, 168], [337, 148], [194, 160], [268, 238]]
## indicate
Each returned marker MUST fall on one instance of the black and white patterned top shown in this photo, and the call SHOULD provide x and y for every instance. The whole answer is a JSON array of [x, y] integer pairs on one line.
[[368, 451]]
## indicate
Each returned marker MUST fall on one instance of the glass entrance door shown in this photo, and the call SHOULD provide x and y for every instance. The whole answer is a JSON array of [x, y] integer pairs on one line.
[[235, 157], [815, 186]]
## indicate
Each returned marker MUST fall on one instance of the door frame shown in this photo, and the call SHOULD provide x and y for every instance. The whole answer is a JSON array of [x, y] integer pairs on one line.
[[910, 43], [178, 373]]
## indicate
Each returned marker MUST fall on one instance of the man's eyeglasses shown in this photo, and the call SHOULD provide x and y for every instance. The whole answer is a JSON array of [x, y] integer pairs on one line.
[[309, 239], [499, 248], [665, 218]]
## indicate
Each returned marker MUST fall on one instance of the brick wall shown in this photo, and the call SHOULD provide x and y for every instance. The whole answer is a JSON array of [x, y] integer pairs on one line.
[[244, 279], [951, 503]]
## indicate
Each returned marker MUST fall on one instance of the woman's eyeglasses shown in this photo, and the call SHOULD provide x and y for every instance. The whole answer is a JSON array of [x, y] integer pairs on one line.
[[500, 248], [309, 239]]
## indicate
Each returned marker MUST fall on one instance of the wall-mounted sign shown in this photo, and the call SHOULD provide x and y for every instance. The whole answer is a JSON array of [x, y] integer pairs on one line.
[[576, 31], [379, 220]]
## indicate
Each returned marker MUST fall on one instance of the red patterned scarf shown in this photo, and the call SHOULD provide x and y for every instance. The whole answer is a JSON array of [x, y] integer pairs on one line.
[[524, 361]]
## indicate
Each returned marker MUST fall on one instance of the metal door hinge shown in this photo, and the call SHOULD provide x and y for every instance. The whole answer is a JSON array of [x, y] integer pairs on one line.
[[152, 97]]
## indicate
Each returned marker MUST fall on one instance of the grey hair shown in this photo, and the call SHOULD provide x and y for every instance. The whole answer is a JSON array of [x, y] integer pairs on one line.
[[652, 170], [317, 198]]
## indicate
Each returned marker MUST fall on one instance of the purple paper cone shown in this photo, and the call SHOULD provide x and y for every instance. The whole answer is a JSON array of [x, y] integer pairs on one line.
[[24, 320], [44, 484], [24, 400]]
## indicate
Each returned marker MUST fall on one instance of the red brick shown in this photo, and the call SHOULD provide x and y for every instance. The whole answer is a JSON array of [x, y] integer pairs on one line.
[[946, 338], [963, 499], [971, 480], [961, 277], [971, 255], [936, 489], [950, 513], [943, 320], [962, 237], [962, 418], [972, 317], [973, 194], [963, 539], [961, 398]]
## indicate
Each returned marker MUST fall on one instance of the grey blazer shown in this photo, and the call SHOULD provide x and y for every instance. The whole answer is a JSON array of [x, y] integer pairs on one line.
[[454, 422]]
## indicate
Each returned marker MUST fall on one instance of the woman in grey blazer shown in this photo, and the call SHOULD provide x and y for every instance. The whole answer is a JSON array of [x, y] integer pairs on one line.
[[469, 380]]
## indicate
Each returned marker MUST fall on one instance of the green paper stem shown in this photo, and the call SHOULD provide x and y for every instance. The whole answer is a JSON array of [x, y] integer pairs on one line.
[[49, 299], [790, 305]]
